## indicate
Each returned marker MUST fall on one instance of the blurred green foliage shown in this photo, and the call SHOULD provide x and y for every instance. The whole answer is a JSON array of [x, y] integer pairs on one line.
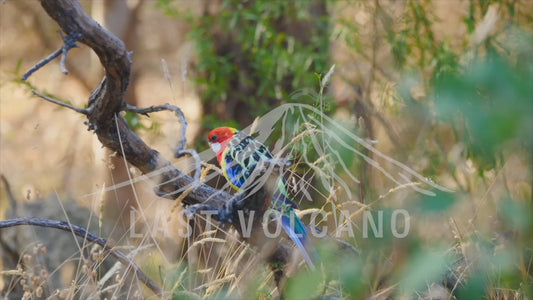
[[492, 99], [486, 96], [425, 266], [252, 55]]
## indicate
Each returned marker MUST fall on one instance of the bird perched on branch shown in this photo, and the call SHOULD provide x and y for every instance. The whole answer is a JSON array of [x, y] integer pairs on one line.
[[241, 156]]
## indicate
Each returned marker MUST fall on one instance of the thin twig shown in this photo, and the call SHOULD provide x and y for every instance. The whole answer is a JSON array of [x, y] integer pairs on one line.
[[41, 64], [155, 108], [81, 232], [79, 110], [69, 43], [180, 148]]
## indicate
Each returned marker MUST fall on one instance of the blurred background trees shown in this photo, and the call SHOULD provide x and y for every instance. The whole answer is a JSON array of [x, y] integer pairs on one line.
[[442, 86]]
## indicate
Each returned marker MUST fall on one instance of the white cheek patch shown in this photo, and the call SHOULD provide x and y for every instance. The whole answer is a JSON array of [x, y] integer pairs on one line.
[[215, 146]]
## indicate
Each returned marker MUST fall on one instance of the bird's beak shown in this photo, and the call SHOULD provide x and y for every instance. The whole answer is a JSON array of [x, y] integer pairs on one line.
[[215, 146]]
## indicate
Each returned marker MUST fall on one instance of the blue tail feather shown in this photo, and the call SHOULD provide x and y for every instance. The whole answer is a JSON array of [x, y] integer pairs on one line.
[[298, 234]]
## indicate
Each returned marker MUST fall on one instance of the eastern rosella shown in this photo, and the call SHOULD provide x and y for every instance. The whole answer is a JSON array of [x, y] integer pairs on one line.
[[239, 154]]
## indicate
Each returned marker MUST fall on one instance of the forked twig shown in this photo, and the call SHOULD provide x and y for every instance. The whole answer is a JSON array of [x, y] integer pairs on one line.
[[180, 148], [69, 43]]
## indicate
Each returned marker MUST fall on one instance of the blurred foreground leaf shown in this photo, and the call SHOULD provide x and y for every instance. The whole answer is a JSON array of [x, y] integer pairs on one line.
[[494, 100], [424, 268]]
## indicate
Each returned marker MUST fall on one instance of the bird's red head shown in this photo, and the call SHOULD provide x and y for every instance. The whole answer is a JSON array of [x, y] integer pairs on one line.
[[221, 134], [219, 138]]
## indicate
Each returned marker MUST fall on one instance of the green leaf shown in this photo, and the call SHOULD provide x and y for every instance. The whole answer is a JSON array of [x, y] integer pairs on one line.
[[303, 286], [516, 214], [423, 268], [440, 202], [185, 295]]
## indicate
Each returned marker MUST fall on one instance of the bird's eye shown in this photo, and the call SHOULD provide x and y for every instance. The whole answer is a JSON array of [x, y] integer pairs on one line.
[[214, 138]]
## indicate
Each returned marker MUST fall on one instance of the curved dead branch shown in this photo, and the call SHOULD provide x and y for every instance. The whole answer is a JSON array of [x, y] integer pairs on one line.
[[107, 100], [81, 232]]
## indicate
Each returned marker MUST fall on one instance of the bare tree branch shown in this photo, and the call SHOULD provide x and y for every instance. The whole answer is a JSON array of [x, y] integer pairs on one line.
[[107, 100], [81, 232]]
